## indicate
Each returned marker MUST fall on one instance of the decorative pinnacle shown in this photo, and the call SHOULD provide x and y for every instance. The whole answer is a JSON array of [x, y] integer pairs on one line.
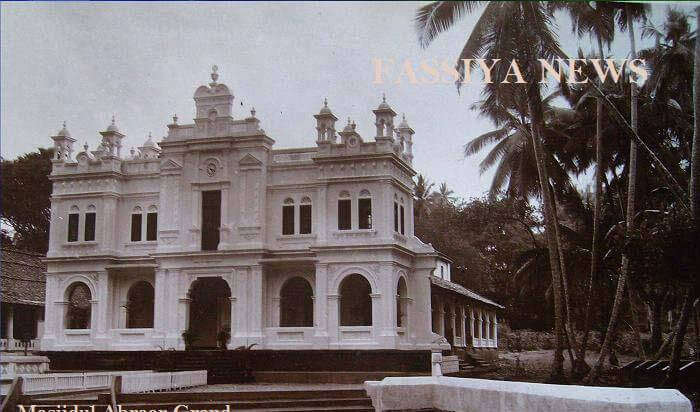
[[175, 119], [64, 124], [252, 112], [325, 102], [383, 97], [403, 116], [214, 74], [85, 146], [349, 120], [113, 119]]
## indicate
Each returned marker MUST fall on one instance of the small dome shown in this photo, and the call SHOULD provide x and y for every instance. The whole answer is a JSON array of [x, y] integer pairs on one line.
[[404, 123], [149, 141], [325, 109], [350, 127], [64, 131], [384, 104], [112, 126]]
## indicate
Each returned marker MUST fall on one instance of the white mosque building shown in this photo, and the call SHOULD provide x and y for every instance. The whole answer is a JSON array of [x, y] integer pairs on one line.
[[213, 238]]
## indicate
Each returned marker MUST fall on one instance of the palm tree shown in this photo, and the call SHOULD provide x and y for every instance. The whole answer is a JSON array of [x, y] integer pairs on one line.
[[509, 31], [627, 13], [598, 23], [421, 196], [690, 297], [443, 196]]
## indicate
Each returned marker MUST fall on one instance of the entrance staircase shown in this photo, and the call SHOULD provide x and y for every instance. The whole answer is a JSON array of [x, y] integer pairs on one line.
[[311, 400], [471, 365]]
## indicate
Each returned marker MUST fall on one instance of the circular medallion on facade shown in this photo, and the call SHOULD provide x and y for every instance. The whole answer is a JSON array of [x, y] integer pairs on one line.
[[211, 169], [352, 141]]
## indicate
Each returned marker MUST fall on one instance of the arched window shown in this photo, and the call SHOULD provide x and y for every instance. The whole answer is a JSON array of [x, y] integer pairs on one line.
[[364, 209], [79, 306], [140, 305], [355, 301], [305, 215], [296, 303], [73, 222], [401, 303], [288, 216], [344, 211], [90, 217], [152, 223], [136, 224]]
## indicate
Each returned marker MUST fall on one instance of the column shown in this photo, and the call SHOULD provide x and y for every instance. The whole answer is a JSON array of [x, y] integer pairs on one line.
[[173, 306], [102, 308], [319, 225], [479, 323], [471, 325], [378, 318], [441, 319], [333, 318], [453, 322], [10, 323], [255, 304], [275, 315], [123, 314], [232, 321], [495, 330], [462, 326], [160, 310], [321, 304], [388, 302], [488, 328]]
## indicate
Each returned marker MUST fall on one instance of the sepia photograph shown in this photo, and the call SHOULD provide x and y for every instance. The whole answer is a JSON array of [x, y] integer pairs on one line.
[[349, 206]]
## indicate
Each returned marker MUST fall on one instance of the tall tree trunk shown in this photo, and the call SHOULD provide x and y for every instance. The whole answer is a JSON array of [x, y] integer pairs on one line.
[[631, 195], [571, 342], [534, 105], [581, 367], [656, 314], [690, 296], [635, 326]]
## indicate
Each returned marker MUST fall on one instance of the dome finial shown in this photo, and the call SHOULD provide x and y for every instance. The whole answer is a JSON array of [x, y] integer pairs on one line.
[[383, 97], [64, 124], [86, 147], [214, 74], [175, 118], [252, 112], [113, 118], [325, 102]]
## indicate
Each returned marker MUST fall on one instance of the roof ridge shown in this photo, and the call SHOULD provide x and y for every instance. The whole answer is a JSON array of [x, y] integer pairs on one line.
[[24, 252]]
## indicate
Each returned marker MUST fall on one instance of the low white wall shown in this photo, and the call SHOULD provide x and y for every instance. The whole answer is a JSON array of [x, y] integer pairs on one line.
[[464, 394]]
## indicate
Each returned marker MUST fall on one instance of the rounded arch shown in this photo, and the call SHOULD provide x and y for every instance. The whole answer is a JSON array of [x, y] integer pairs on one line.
[[209, 310], [306, 200], [137, 209], [152, 209], [401, 302], [296, 303], [79, 311], [355, 301], [140, 298], [288, 201], [365, 193], [344, 194], [74, 209], [354, 270], [91, 208]]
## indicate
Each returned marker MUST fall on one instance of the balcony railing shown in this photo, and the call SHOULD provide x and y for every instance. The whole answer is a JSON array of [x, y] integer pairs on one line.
[[18, 345]]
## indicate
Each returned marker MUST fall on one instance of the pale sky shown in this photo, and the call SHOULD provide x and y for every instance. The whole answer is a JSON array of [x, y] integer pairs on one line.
[[83, 62]]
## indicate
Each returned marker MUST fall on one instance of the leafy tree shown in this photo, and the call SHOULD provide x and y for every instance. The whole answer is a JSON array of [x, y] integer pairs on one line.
[[26, 205]]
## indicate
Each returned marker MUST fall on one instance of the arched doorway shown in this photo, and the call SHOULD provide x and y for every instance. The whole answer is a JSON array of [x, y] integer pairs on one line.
[[355, 301], [296, 303], [210, 311], [140, 297]]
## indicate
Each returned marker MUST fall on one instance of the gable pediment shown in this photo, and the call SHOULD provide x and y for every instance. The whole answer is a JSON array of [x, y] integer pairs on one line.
[[249, 160], [170, 164]]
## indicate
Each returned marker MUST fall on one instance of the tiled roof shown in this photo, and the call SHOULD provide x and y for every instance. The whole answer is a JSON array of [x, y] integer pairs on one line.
[[446, 284], [22, 277]]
